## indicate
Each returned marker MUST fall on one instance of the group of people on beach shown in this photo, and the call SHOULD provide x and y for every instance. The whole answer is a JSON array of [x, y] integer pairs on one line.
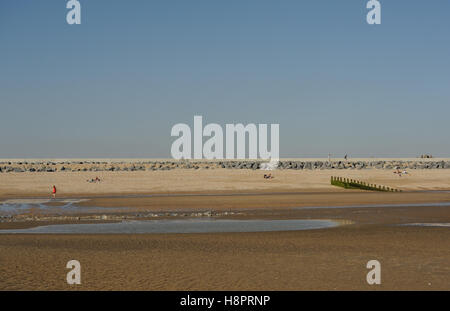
[[399, 173], [96, 179]]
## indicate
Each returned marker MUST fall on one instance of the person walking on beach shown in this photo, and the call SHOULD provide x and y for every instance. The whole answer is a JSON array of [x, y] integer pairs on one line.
[[54, 192]]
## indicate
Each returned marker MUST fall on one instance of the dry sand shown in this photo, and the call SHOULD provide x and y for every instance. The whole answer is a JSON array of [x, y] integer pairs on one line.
[[183, 181]]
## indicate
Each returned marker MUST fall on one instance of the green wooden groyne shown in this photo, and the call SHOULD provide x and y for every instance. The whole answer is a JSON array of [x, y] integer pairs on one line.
[[348, 183]]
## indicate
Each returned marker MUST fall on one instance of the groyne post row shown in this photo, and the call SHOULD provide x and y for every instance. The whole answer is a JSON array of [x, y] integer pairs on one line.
[[153, 165], [348, 183]]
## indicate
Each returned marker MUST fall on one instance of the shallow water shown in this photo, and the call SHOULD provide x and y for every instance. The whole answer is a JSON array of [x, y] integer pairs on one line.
[[437, 224], [438, 204], [181, 226], [67, 206]]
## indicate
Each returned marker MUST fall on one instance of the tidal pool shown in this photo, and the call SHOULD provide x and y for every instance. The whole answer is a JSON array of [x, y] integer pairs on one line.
[[180, 226], [65, 206], [435, 204]]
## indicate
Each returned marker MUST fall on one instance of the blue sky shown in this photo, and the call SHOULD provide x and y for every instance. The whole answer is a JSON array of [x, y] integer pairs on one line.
[[116, 84]]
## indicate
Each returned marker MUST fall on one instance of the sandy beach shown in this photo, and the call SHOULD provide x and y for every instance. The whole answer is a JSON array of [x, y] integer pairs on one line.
[[412, 257], [225, 146], [72, 184]]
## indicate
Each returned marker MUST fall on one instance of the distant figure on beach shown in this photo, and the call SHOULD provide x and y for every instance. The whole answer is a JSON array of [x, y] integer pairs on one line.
[[54, 192], [268, 176], [345, 157], [329, 157]]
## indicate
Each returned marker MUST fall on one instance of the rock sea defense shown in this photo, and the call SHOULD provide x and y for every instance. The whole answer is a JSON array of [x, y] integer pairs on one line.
[[170, 164]]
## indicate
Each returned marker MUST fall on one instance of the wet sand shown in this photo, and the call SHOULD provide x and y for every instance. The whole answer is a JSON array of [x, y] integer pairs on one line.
[[386, 207], [412, 258], [262, 200], [330, 259]]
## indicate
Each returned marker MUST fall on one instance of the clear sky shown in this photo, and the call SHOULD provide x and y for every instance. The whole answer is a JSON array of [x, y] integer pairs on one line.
[[116, 84]]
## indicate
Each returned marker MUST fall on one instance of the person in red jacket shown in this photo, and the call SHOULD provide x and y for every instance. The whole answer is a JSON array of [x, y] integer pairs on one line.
[[54, 191]]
